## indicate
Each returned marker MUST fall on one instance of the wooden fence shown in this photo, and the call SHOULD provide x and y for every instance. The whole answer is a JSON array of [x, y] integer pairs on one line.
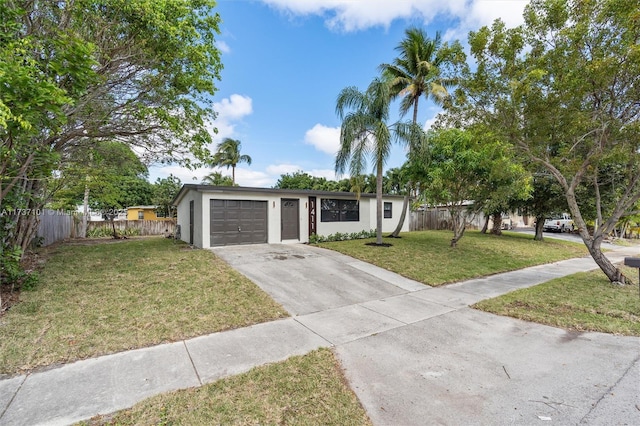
[[143, 227], [439, 218], [56, 225]]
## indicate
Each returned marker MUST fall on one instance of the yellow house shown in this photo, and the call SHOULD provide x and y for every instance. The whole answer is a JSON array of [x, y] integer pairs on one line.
[[144, 213]]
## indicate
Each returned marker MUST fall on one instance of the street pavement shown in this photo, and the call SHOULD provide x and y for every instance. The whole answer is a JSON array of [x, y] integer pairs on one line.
[[414, 355]]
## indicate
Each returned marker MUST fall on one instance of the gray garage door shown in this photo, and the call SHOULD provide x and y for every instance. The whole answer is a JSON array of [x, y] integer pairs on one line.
[[238, 222]]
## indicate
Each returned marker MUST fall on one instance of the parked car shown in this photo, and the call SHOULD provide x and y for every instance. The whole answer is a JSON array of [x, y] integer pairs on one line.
[[507, 223], [559, 223]]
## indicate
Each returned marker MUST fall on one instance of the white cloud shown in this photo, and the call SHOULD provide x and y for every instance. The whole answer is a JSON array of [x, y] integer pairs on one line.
[[323, 138], [350, 15], [223, 46], [253, 178], [230, 111], [282, 169], [328, 174]]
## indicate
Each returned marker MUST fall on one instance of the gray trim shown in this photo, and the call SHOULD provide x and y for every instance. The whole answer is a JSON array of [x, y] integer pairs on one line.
[[284, 192]]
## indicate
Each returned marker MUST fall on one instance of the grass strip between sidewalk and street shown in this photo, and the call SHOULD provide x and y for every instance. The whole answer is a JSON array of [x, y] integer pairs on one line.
[[585, 301], [303, 390], [95, 298], [427, 257]]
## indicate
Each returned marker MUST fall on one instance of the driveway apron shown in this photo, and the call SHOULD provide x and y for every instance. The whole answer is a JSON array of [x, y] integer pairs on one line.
[[306, 279]]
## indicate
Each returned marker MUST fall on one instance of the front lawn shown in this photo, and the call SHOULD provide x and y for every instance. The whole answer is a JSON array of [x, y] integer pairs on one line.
[[426, 256], [102, 297]]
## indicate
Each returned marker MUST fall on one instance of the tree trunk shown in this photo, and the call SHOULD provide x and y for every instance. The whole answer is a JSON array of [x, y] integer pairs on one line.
[[113, 226], [85, 212], [594, 242], [458, 221], [614, 274], [379, 204], [486, 225], [497, 224], [539, 227], [405, 205], [27, 224]]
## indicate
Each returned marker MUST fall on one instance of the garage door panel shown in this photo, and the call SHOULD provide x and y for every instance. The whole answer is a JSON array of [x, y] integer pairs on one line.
[[238, 222]]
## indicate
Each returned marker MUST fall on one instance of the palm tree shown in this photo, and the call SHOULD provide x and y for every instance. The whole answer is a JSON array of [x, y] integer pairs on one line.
[[365, 135], [216, 178], [417, 72], [228, 154]]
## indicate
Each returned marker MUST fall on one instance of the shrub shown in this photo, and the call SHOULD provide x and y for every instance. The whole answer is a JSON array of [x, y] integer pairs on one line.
[[339, 236], [11, 272]]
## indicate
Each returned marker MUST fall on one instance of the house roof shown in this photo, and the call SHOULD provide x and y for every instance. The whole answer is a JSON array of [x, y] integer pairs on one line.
[[240, 189]]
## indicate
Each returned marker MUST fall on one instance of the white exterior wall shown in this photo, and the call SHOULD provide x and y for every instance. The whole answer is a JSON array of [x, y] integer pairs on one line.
[[183, 217], [389, 225], [202, 201]]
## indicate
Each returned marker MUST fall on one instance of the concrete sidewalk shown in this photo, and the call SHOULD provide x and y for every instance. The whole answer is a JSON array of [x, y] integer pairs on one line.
[[413, 354]]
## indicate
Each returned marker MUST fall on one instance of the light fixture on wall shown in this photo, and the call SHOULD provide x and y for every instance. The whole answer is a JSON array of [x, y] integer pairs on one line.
[[274, 204]]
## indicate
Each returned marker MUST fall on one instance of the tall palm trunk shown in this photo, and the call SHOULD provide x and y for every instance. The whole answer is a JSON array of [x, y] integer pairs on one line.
[[405, 201], [379, 203]]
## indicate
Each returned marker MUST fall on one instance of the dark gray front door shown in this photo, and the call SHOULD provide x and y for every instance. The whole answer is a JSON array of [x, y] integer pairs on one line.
[[238, 222], [290, 222]]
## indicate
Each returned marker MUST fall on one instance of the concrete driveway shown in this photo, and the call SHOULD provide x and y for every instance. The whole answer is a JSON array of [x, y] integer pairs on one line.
[[306, 279]]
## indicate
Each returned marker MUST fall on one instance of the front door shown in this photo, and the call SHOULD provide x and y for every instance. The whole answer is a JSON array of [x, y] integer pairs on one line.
[[290, 222], [191, 213]]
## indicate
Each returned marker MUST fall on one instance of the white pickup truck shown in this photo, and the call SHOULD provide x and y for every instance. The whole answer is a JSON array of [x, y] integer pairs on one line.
[[559, 223]]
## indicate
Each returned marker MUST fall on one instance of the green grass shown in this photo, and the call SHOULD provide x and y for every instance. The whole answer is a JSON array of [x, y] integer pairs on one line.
[[583, 302], [303, 390], [426, 256], [95, 299]]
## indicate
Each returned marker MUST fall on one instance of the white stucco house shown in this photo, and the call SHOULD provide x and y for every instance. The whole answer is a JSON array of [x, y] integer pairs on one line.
[[211, 216]]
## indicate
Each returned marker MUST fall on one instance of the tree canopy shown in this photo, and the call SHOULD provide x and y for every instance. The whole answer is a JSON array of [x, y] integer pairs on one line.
[[563, 88], [464, 172], [76, 73]]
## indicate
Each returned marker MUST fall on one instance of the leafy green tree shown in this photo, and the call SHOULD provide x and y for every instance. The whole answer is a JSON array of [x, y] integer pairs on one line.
[[106, 177], [546, 198], [563, 88], [505, 186], [228, 155], [216, 178], [425, 67], [297, 180], [395, 181], [77, 72], [164, 191], [458, 167], [366, 136]]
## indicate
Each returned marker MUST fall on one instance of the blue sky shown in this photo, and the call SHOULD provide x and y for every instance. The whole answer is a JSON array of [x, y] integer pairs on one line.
[[285, 61]]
